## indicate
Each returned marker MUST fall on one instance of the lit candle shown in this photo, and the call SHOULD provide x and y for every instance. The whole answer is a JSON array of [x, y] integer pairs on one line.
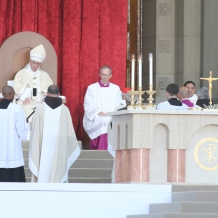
[[140, 70], [150, 59], [133, 70]]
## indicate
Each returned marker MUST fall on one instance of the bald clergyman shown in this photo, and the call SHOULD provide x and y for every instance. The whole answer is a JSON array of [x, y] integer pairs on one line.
[[184, 96], [53, 143], [12, 130]]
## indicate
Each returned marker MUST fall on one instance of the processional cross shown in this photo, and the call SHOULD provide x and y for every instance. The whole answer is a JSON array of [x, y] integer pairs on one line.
[[210, 79]]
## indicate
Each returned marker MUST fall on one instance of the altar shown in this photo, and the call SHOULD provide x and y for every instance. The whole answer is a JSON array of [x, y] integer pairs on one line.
[[165, 146]]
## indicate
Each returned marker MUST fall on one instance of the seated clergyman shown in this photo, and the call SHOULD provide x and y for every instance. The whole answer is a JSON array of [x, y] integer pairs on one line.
[[172, 103]]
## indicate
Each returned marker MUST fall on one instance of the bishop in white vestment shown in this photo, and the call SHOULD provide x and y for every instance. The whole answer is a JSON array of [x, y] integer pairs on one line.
[[101, 97], [30, 82], [53, 144], [13, 128]]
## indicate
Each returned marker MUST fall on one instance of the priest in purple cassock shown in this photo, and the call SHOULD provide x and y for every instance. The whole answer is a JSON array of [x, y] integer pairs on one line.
[[101, 97]]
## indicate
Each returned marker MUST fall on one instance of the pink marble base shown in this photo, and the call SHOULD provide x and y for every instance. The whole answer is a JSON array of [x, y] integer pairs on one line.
[[176, 165], [132, 165]]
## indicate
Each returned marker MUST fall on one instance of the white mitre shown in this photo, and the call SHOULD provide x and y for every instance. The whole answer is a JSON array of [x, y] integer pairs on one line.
[[38, 54]]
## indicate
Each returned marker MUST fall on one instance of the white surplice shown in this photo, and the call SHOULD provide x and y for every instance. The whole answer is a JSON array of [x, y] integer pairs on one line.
[[167, 106], [12, 130], [99, 99]]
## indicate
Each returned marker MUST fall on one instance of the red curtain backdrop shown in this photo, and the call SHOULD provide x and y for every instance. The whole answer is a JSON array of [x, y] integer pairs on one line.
[[86, 34]]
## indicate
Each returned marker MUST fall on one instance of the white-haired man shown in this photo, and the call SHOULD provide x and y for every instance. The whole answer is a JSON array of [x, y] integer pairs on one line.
[[31, 81], [101, 97]]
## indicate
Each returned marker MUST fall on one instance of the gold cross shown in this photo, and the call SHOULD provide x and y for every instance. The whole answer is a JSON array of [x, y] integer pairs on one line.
[[210, 79]]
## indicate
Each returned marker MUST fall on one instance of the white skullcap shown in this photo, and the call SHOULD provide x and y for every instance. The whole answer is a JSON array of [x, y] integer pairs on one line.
[[38, 54]]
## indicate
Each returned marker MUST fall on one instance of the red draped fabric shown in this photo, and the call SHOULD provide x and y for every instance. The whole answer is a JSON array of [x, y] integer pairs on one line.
[[86, 34]]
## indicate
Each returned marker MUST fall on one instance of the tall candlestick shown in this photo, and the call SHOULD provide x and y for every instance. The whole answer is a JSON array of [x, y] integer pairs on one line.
[[150, 59], [133, 70], [140, 70]]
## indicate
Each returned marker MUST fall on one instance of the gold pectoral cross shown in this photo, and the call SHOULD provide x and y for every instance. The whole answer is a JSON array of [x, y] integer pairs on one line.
[[210, 79]]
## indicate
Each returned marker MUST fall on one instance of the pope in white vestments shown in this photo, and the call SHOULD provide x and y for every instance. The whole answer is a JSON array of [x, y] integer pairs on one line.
[[101, 97], [13, 128], [53, 144], [30, 82]]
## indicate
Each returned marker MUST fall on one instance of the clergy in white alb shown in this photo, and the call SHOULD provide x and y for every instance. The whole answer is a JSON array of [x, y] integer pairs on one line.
[[30, 82], [101, 97], [53, 144], [13, 128]]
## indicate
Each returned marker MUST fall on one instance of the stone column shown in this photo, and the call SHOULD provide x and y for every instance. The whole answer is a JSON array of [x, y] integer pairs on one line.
[[210, 45], [188, 41], [172, 30], [176, 165], [132, 165]]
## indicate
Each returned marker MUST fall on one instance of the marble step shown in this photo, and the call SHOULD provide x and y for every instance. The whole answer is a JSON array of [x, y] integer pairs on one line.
[[90, 154], [85, 154], [87, 173], [83, 163], [184, 207], [196, 187], [82, 180], [203, 196], [25, 145], [176, 215]]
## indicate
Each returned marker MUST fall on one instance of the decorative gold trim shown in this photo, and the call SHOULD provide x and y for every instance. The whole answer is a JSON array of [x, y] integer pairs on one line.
[[200, 164]]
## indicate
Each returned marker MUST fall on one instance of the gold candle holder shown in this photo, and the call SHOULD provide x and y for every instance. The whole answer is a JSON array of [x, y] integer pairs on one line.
[[151, 92], [140, 99], [132, 92]]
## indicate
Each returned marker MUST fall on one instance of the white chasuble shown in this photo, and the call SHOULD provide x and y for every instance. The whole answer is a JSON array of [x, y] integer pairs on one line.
[[50, 132], [25, 79]]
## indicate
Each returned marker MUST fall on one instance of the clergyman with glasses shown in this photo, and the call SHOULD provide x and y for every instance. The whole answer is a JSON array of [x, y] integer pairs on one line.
[[30, 82], [100, 98]]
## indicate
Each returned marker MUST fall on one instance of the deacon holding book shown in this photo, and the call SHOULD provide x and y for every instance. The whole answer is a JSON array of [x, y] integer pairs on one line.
[[30, 82]]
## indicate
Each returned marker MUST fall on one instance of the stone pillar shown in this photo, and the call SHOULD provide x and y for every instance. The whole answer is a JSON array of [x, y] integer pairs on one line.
[[188, 41], [159, 39], [176, 165], [172, 30], [132, 165], [210, 45]]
